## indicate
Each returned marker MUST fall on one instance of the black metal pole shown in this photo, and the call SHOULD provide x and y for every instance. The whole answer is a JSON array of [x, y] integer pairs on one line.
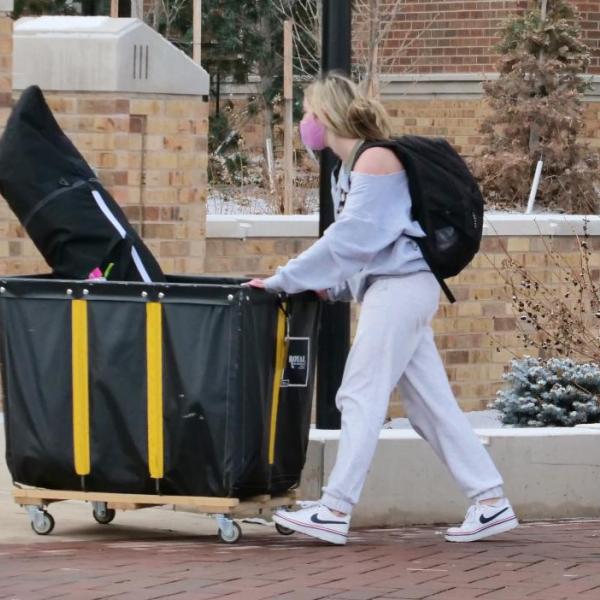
[[334, 337]]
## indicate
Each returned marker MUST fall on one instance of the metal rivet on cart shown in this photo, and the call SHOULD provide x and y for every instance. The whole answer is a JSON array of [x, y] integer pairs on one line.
[[69, 292], [144, 294], [230, 297], [161, 295], [86, 292]]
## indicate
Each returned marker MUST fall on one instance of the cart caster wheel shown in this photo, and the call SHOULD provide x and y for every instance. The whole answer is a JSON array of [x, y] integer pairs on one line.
[[106, 517], [231, 534], [43, 524], [283, 530]]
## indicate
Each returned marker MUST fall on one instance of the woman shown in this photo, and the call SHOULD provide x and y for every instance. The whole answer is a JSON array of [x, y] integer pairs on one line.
[[367, 255]]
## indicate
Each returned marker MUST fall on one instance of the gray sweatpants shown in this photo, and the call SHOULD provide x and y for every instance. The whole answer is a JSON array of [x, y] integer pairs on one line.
[[394, 345]]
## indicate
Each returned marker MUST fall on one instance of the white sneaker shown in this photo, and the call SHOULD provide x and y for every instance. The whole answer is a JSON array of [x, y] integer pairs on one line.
[[317, 521], [484, 520]]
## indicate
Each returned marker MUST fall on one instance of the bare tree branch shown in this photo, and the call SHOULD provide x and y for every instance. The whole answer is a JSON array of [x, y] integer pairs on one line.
[[171, 9], [306, 33], [374, 23]]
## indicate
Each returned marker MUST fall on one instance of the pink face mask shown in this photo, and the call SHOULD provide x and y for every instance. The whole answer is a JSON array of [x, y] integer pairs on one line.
[[312, 132]]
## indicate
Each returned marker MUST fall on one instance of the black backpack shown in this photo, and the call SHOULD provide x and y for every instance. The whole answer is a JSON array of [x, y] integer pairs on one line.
[[446, 202]]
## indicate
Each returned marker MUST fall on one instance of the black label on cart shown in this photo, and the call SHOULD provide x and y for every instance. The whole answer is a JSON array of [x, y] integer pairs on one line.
[[298, 363]]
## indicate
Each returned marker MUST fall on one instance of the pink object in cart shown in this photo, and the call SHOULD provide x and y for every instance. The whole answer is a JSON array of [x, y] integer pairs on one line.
[[95, 274]]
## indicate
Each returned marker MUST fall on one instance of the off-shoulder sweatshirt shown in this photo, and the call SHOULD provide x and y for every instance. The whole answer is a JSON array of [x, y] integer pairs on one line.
[[368, 240]]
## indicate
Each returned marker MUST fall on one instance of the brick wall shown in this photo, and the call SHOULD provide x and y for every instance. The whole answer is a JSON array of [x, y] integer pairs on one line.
[[151, 154], [456, 119], [590, 23], [477, 336], [434, 36], [459, 121]]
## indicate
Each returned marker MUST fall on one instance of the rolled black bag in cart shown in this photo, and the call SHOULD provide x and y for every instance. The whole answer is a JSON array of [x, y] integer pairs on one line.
[[73, 221], [195, 386]]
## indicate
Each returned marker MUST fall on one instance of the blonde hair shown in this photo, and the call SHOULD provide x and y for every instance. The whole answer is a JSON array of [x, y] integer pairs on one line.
[[342, 107]]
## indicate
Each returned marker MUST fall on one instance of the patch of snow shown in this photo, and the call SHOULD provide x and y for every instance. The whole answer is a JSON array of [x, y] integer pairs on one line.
[[220, 204]]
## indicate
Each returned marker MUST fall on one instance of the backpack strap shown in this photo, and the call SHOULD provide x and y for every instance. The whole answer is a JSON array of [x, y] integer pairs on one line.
[[405, 158], [350, 161], [447, 291], [354, 154], [336, 169]]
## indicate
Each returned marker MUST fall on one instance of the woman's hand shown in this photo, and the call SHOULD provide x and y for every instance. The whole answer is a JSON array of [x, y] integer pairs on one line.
[[260, 284], [255, 283]]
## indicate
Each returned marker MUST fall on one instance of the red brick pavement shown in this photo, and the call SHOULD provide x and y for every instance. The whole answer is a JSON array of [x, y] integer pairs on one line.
[[538, 561]]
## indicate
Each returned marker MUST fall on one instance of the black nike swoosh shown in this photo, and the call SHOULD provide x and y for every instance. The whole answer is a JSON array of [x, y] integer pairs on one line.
[[315, 519], [483, 520]]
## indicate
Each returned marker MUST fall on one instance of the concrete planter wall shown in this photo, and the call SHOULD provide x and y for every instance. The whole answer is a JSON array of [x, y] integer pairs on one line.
[[549, 473], [307, 226]]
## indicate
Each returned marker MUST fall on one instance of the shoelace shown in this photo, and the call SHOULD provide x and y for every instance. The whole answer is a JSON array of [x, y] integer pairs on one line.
[[307, 503], [473, 509]]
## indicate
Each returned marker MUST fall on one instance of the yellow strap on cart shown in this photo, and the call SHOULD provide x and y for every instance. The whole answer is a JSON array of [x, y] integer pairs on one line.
[[80, 380], [155, 389], [280, 358]]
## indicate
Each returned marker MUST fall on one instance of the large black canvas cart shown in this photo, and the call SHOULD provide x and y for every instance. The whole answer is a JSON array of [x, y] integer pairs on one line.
[[192, 391]]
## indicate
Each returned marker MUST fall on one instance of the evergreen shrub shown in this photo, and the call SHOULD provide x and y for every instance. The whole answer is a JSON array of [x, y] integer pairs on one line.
[[556, 392]]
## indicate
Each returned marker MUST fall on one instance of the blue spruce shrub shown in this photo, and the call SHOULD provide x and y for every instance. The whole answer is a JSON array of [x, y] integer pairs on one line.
[[556, 392]]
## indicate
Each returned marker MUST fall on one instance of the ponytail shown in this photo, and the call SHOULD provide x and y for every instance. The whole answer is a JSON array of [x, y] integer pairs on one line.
[[367, 119], [342, 107]]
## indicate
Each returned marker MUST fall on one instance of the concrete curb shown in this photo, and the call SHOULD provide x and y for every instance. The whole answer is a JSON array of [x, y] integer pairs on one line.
[[549, 473]]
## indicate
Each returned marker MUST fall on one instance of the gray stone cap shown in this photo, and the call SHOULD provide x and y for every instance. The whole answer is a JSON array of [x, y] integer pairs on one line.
[[74, 25], [416, 86], [101, 54], [307, 226], [459, 86]]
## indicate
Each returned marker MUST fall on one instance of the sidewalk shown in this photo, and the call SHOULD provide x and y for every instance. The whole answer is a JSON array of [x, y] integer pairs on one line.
[[537, 562], [157, 553]]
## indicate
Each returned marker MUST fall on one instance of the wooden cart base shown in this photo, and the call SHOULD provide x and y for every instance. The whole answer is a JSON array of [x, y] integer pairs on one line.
[[105, 505]]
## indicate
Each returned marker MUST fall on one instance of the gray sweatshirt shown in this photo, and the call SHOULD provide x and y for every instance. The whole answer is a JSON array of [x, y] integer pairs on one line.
[[368, 240]]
